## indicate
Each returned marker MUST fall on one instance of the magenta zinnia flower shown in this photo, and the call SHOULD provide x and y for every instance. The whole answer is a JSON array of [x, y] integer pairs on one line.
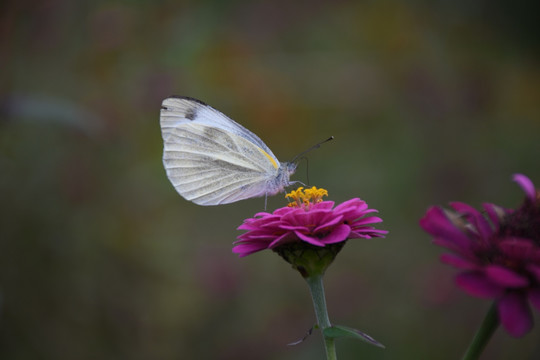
[[308, 220], [498, 254]]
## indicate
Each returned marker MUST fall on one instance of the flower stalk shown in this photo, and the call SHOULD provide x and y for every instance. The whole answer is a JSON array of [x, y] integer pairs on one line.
[[483, 335], [316, 288]]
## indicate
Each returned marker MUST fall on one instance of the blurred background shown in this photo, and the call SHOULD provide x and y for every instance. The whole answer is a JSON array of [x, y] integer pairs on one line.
[[100, 258]]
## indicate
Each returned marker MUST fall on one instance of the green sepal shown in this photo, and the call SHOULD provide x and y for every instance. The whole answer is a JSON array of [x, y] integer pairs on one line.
[[309, 260], [339, 331]]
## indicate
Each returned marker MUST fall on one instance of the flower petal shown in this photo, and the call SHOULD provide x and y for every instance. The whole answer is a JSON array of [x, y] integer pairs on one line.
[[367, 220], [475, 283], [324, 205], [294, 227], [495, 212], [475, 218], [366, 232], [305, 218], [255, 236], [526, 184], [355, 203], [338, 234], [262, 214], [505, 277], [247, 248], [436, 223], [353, 209], [285, 238], [284, 210], [309, 239], [328, 223], [515, 314], [356, 213]]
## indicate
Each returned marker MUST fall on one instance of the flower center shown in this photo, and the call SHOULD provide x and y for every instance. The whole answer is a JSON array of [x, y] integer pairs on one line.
[[304, 198], [524, 222]]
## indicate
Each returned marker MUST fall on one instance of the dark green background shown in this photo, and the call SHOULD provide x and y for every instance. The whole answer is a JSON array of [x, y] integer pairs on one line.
[[101, 259]]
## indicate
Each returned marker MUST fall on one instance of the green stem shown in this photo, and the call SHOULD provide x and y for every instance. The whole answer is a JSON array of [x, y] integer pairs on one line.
[[316, 289], [488, 327]]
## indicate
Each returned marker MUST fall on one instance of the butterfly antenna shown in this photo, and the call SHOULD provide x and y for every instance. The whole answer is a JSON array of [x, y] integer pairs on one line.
[[316, 146]]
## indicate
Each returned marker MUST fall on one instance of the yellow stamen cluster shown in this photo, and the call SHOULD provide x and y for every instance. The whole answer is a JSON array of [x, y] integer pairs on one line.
[[305, 197]]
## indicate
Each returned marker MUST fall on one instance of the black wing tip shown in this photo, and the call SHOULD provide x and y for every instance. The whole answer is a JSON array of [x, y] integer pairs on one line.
[[187, 98], [191, 110]]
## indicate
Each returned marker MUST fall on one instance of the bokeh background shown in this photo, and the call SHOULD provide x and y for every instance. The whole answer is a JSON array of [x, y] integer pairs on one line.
[[429, 101]]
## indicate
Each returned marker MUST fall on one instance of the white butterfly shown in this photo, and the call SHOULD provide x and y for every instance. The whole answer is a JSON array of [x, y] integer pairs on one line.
[[211, 160]]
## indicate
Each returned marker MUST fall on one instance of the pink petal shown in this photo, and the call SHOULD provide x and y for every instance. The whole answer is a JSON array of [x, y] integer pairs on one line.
[[352, 203], [505, 277], [283, 239], [367, 220], [329, 223], [384, 232], [253, 240], [368, 229], [436, 223], [305, 218], [366, 233], [323, 205], [495, 213], [356, 213], [526, 184], [515, 314], [255, 232], [268, 223], [247, 249], [474, 217], [309, 239], [353, 209], [254, 236], [294, 227], [282, 211], [247, 226], [357, 235], [458, 262], [338, 234], [476, 284], [262, 214]]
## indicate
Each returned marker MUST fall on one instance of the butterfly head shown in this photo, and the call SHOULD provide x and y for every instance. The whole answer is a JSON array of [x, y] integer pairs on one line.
[[286, 169], [282, 180]]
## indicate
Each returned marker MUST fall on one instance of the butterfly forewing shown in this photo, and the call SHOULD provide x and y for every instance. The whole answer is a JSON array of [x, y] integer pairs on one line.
[[179, 108], [209, 158]]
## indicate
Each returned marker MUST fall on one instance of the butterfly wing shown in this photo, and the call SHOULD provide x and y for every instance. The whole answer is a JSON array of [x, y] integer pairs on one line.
[[209, 158], [177, 109]]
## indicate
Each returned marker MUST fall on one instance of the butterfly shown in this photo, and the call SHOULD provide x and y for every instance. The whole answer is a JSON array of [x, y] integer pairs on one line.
[[211, 160]]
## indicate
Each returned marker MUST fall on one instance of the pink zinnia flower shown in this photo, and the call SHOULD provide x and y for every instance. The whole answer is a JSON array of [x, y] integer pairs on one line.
[[308, 220], [498, 254]]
